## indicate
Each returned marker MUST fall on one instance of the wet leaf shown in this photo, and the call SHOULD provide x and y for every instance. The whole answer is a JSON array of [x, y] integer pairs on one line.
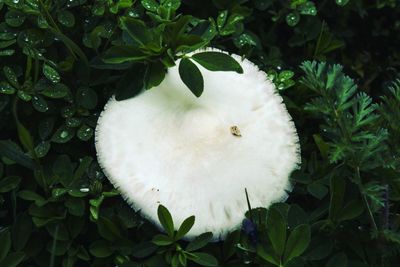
[[51, 73]]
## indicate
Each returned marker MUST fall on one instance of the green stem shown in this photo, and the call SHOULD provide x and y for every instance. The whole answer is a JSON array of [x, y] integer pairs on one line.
[[371, 216], [32, 152], [319, 40], [53, 25], [28, 68], [36, 71], [53, 247]]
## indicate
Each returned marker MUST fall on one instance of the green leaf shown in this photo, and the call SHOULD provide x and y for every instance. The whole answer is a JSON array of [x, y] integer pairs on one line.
[[144, 249], [39, 103], [100, 249], [32, 196], [8, 150], [51, 73], [83, 167], [339, 259], [217, 61], [276, 230], [58, 90], [42, 149], [199, 242], [7, 52], [191, 76], [296, 216], [11, 76], [137, 30], [341, 2], [165, 219], [150, 5], [45, 127], [23, 95], [63, 135], [15, 18], [25, 138], [351, 210], [76, 206], [162, 240], [221, 19], [317, 190], [86, 97], [5, 241], [63, 168], [172, 4], [66, 18], [322, 145], [6, 88], [295, 262], [185, 227], [155, 74], [320, 248], [308, 8], [123, 53], [13, 259], [298, 242], [204, 259], [108, 229], [131, 84], [9, 183], [175, 261], [21, 231], [262, 4], [338, 187], [267, 255]]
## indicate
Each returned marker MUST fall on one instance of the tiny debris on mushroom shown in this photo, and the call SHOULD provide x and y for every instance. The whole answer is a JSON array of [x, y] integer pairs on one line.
[[168, 139], [235, 131]]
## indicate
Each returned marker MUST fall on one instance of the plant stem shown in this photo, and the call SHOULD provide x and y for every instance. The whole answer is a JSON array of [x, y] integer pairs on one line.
[[28, 67], [53, 247], [371, 216], [386, 210]]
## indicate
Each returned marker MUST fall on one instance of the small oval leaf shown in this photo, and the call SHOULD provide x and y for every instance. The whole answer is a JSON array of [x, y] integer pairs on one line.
[[217, 61], [191, 76]]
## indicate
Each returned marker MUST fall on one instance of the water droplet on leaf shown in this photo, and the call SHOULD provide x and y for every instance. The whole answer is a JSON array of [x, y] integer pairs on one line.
[[42, 149], [6, 88], [72, 122], [341, 2], [85, 133], [67, 112], [62, 135], [292, 19], [308, 8]]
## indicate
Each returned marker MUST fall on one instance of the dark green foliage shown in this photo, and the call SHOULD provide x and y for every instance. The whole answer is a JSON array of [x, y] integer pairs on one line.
[[60, 61]]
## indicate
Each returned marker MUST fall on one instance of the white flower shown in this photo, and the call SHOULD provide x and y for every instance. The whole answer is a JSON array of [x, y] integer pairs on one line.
[[196, 156]]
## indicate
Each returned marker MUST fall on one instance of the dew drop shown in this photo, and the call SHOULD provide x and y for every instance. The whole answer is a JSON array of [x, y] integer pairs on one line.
[[341, 2], [63, 134], [292, 19]]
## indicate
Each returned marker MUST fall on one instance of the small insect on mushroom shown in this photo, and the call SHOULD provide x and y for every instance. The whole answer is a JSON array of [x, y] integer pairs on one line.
[[235, 131], [167, 146]]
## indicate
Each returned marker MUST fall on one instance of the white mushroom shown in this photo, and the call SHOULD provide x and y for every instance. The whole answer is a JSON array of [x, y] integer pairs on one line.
[[195, 155]]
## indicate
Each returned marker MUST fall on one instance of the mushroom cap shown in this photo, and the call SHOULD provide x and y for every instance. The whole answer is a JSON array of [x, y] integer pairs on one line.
[[195, 155]]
